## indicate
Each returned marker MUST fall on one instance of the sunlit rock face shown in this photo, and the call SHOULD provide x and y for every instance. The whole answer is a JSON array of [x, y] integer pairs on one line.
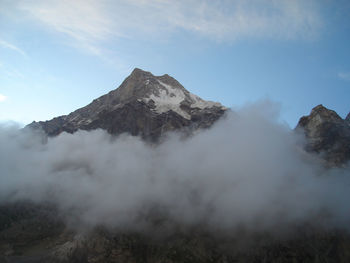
[[144, 105], [327, 134]]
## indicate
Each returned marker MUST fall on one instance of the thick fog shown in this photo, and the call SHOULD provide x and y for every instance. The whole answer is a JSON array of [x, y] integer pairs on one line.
[[248, 170]]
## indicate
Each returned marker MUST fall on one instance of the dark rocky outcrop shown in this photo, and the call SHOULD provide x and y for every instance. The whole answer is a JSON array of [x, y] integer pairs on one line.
[[327, 134], [144, 105]]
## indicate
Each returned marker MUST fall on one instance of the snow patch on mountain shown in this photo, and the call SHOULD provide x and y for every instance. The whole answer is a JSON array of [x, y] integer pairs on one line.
[[202, 104], [168, 98]]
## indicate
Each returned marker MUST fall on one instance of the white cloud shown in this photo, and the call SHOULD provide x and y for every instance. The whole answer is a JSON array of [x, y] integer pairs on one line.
[[8, 45], [344, 75], [91, 22], [246, 172], [2, 98], [232, 20], [83, 20]]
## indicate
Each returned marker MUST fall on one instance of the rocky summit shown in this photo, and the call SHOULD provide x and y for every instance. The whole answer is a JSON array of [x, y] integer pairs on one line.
[[327, 134], [143, 105]]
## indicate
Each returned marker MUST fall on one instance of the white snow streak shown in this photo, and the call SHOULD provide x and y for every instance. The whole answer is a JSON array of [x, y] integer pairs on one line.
[[170, 98]]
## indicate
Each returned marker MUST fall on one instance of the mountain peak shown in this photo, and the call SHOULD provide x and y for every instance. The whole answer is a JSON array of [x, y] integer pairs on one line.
[[319, 108], [137, 70], [143, 104], [139, 73], [328, 133], [319, 115], [162, 93]]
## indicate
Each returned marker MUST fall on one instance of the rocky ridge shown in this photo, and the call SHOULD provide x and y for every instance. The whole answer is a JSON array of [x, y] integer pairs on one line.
[[143, 105], [327, 134]]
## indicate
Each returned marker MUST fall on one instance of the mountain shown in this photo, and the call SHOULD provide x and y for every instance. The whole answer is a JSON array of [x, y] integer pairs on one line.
[[327, 134], [144, 105], [148, 106]]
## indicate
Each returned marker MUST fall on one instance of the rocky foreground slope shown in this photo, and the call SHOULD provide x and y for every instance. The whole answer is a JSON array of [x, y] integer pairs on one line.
[[149, 106]]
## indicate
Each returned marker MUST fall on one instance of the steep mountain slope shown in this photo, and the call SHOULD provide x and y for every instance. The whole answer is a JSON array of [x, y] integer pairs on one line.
[[144, 105], [327, 134]]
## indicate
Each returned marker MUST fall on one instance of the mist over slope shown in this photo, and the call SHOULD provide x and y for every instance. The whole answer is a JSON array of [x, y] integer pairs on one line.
[[248, 170]]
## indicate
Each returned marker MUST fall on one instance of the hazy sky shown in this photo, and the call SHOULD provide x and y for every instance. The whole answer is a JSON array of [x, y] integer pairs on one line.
[[58, 55]]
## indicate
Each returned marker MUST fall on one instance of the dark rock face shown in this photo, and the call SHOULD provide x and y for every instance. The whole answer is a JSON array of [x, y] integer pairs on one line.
[[144, 105], [348, 118], [327, 134]]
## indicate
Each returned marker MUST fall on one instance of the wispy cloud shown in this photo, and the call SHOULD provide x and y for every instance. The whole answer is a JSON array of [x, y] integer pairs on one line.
[[90, 22], [9, 71], [85, 21], [2, 97], [344, 75], [7, 45], [232, 20]]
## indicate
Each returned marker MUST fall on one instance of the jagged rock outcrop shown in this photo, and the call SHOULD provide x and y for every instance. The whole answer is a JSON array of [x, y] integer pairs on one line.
[[144, 105], [327, 134]]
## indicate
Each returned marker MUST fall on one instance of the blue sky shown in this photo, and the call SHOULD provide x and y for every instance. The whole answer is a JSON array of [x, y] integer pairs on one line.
[[58, 55]]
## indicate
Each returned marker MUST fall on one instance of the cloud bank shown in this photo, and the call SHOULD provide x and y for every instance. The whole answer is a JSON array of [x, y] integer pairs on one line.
[[248, 171]]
